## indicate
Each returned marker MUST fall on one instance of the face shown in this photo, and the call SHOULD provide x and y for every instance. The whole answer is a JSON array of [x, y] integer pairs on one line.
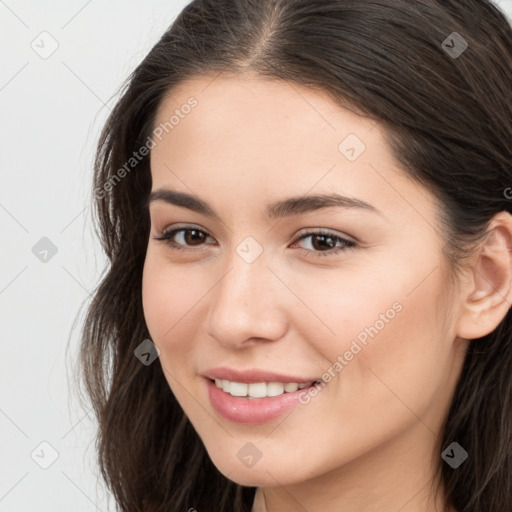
[[265, 294]]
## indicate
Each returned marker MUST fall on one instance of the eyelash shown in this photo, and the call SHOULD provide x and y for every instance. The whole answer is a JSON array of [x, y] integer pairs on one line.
[[347, 244]]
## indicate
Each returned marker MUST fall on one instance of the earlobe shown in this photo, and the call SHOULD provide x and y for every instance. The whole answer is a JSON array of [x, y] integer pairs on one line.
[[488, 294]]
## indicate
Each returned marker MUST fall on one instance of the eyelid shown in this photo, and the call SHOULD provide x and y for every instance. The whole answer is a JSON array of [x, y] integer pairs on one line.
[[167, 233], [304, 231], [335, 252], [326, 231], [349, 243]]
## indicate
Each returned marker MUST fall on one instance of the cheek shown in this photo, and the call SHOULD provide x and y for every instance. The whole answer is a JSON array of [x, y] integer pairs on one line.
[[154, 298], [399, 365], [168, 298], [353, 303], [384, 322]]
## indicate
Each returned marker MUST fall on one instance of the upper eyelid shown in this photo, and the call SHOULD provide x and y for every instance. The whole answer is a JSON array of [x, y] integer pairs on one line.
[[316, 231], [302, 231], [297, 237], [166, 231]]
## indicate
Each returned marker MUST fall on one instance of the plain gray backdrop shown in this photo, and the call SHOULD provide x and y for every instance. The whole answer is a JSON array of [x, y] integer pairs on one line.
[[62, 64]]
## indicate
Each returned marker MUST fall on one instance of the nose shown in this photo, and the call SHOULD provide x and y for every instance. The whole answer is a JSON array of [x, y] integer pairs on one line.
[[247, 305]]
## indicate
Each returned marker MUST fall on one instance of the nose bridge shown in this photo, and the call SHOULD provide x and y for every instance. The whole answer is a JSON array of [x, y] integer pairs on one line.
[[245, 303]]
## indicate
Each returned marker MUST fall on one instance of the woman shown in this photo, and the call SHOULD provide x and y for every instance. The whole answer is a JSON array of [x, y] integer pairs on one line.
[[305, 205]]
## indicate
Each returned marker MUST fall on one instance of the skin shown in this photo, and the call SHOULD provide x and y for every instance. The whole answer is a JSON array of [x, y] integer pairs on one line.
[[368, 441]]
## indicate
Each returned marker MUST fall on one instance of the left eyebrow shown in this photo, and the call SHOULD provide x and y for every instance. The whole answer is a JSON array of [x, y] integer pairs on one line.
[[283, 208], [304, 204]]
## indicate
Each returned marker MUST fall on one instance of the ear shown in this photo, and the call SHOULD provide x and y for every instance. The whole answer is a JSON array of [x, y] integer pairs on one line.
[[487, 294]]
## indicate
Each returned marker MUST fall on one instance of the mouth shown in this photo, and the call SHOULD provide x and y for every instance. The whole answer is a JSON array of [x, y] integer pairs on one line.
[[255, 403], [256, 390]]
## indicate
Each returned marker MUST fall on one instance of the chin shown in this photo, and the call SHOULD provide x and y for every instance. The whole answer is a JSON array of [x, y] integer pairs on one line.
[[261, 474]]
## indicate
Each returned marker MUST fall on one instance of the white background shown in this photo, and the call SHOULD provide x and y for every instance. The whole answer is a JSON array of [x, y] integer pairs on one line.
[[51, 112]]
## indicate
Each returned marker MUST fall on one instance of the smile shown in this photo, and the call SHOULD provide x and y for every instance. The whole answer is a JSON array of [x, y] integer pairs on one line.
[[256, 402], [259, 389]]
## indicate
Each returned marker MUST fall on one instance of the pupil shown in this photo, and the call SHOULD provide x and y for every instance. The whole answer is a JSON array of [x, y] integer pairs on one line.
[[323, 238], [194, 235]]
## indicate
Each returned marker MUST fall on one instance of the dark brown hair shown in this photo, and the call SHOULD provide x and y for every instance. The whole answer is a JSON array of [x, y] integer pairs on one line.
[[448, 121]]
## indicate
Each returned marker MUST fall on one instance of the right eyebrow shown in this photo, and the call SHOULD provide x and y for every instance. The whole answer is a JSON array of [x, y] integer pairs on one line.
[[182, 199]]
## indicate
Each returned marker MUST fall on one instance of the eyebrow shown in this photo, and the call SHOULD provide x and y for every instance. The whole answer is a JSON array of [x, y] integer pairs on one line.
[[280, 209]]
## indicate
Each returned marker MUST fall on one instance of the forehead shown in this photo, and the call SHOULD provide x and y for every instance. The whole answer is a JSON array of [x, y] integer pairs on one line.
[[248, 136], [279, 113]]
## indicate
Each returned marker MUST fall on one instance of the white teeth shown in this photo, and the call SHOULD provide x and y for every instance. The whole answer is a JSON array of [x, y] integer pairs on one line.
[[275, 388], [259, 389], [238, 389], [291, 387]]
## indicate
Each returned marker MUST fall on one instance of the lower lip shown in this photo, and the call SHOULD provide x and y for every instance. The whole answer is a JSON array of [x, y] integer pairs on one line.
[[251, 411]]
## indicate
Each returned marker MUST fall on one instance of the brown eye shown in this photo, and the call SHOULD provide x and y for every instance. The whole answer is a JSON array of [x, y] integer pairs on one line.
[[322, 242], [193, 236], [325, 243], [181, 238]]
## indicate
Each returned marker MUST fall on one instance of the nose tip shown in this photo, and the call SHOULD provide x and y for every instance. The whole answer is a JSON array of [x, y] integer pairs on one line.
[[246, 306]]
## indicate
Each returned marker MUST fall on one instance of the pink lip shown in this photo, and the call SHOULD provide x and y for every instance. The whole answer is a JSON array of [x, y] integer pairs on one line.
[[252, 411], [249, 376]]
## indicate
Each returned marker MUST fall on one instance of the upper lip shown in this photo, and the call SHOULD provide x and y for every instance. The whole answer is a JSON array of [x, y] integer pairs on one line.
[[251, 376]]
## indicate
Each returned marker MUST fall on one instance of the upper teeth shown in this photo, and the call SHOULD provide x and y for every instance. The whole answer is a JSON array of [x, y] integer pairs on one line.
[[258, 389]]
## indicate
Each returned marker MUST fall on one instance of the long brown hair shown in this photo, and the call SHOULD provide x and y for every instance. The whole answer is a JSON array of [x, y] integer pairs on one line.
[[445, 101]]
